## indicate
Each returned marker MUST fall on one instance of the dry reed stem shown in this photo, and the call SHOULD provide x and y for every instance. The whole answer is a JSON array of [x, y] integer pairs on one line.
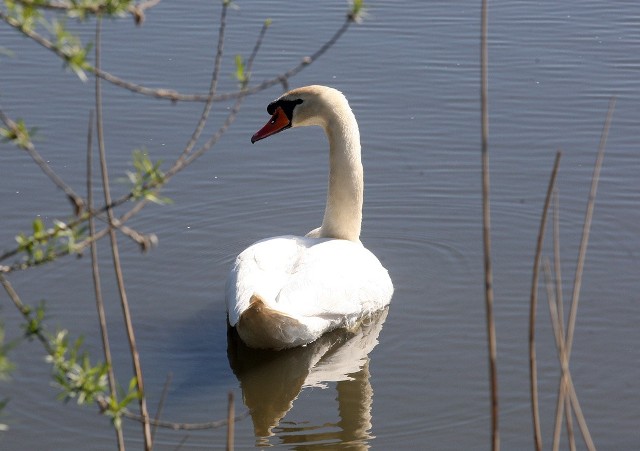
[[561, 407], [567, 380], [577, 281], [567, 341], [486, 230], [533, 302], [124, 303]]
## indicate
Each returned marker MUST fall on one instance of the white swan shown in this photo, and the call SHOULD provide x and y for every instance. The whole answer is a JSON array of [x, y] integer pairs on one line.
[[289, 290]]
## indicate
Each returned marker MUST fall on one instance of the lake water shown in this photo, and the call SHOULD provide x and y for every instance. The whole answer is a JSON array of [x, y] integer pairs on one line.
[[416, 378]]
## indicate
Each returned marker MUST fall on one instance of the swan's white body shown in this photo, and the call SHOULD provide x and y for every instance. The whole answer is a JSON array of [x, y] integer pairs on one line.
[[287, 291]]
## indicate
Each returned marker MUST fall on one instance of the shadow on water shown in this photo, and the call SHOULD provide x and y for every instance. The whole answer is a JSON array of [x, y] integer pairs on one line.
[[272, 380]]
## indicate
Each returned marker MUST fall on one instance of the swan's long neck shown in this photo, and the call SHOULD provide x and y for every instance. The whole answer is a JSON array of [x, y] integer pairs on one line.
[[343, 213]]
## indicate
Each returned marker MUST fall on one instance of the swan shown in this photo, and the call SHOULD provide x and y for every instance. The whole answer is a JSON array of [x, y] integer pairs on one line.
[[287, 291]]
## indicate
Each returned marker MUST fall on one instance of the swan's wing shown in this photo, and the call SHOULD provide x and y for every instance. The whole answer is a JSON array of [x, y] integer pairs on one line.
[[336, 280], [260, 269]]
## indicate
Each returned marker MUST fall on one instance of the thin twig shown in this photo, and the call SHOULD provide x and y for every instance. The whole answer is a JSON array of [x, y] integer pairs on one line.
[[25, 311], [102, 318], [75, 199], [212, 86], [116, 255], [163, 397], [175, 425], [182, 442], [191, 158], [533, 302], [486, 230], [230, 423]]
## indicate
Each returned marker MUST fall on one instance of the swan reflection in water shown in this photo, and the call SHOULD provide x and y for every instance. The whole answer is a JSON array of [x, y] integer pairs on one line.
[[272, 380]]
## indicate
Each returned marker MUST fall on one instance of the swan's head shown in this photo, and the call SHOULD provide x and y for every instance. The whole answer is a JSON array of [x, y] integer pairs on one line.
[[300, 107]]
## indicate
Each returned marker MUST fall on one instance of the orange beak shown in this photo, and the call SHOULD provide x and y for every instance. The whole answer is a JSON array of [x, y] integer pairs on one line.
[[278, 122]]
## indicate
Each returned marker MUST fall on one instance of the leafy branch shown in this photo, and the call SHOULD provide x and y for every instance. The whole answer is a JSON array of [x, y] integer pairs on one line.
[[72, 370], [147, 174], [354, 15], [18, 134], [45, 245], [82, 8]]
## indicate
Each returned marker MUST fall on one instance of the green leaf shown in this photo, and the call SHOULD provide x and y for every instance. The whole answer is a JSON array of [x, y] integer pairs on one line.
[[357, 10], [34, 326], [73, 372], [147, 178], [38, 228], [6, 366], [241, 74], [18, 134]]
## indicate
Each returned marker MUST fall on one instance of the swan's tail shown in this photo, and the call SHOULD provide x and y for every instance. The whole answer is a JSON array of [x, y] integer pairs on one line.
[[261, 326]]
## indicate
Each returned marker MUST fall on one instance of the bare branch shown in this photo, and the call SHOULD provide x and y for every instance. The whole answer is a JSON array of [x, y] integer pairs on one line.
[[24, 310], [173, 95], [137, 368], [97, 285], [163, 397], [27, 145], [212, 87], [181, 163], [103, 404]]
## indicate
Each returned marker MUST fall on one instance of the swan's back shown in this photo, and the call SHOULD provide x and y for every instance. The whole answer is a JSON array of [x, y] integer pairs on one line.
[[307, 285]]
